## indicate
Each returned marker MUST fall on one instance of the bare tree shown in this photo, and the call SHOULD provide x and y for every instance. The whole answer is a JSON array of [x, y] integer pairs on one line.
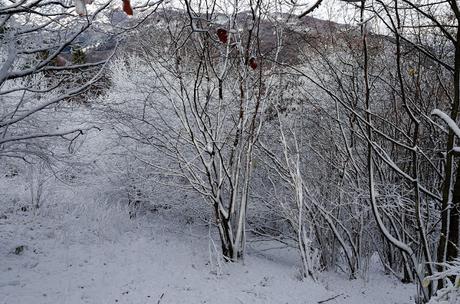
[[49, 58]]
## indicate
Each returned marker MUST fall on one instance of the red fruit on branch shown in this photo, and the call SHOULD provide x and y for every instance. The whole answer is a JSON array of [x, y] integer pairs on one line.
[[127, 7], [252, 63], [223, 35]]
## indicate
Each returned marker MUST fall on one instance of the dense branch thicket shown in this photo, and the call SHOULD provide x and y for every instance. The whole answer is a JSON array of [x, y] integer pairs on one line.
[[328, 142], [336, 139]]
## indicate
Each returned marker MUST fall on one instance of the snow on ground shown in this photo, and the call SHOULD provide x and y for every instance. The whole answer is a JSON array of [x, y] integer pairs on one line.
[[152, 263], [89, 252]]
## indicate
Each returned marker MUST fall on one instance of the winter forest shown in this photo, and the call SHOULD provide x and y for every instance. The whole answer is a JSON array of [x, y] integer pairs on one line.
[[229, 151]]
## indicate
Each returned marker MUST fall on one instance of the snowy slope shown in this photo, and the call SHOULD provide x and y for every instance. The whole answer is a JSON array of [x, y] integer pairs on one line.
[[82, 255]]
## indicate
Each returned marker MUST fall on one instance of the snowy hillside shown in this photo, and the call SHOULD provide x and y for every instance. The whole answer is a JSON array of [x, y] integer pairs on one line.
[[78, 256], [229, 151]]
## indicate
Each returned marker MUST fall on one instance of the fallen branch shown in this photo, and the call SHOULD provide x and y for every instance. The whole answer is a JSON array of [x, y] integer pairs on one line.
[[329, 299], [161, 297]]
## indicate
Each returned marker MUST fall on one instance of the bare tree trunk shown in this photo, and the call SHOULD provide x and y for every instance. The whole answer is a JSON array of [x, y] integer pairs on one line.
[[449, 237]]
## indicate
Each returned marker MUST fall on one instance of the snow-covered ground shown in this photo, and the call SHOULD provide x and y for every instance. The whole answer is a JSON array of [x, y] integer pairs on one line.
[[98, 255]]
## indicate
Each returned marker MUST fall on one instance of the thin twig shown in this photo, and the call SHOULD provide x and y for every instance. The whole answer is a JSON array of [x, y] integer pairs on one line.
[[331, 298]]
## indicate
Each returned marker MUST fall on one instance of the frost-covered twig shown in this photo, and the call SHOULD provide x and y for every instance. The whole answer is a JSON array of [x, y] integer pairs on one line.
[[452, 125]]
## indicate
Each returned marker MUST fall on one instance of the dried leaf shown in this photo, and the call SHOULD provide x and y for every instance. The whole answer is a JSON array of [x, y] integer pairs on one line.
[[223, 35], [127, 7], [253, 63], [426, 282]]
